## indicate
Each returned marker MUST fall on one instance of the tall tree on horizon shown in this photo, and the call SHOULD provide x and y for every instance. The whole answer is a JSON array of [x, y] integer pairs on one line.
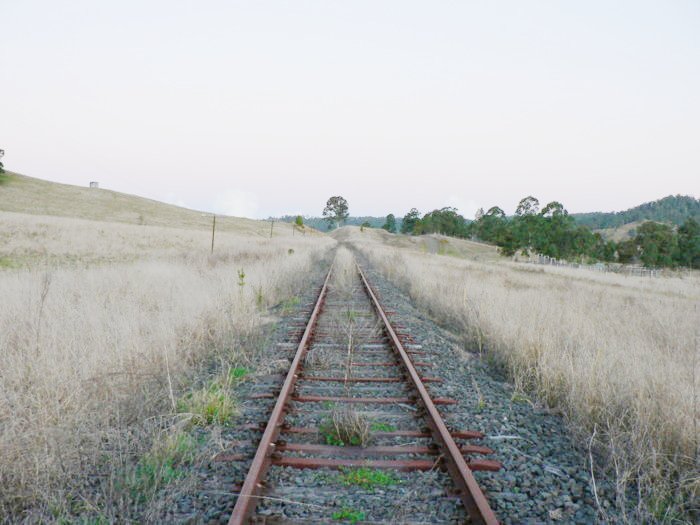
[[336, 211], [525, 222], [390, 224], [410, 220], [689, 244]]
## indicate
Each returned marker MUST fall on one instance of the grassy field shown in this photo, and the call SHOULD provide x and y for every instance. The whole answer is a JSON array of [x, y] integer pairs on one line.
[[106, 330], [617, 355]]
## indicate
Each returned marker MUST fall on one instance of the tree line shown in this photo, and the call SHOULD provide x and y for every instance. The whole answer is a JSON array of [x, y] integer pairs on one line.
[[551, 231]]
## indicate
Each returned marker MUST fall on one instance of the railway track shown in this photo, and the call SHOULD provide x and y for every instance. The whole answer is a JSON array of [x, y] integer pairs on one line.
[[351, 360]]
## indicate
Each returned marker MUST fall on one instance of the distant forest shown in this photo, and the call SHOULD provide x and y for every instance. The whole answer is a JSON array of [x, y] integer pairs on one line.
[[672, 209]]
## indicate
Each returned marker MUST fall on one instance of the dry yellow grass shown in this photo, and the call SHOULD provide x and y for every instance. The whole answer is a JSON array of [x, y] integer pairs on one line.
[[101, 327], [618, 355], [40, 240], [23, 194]]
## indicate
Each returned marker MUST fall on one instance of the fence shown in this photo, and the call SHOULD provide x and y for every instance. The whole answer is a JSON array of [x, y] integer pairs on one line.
[[639, 271]]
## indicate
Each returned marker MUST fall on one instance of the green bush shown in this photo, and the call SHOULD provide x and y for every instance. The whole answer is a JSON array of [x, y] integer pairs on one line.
[[367, 478], [162, 465], [210, 405]]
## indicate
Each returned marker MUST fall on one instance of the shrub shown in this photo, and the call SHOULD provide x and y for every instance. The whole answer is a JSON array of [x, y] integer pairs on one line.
[[213, 404], [345, 427], [368, 478], [162, 465]]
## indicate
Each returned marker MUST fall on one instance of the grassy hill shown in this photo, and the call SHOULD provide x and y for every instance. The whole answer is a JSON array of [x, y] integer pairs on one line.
[[22, 194], [674, 209], [621, 233]]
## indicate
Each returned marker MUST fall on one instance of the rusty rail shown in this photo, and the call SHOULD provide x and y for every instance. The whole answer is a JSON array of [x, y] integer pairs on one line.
[[469, 491], [248, 496], [449, 454]]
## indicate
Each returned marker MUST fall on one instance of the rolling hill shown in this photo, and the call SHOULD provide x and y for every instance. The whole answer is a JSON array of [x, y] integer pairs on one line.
[[23, 194]]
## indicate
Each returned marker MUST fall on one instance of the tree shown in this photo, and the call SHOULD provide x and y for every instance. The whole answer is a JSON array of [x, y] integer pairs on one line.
[[495, 211], [299, 221], [526, 222], [552, 233], [390, 224], [603, 250], [553, 209], [336, 211], [627, 251], [2, 167], [491, 225], [445, 220], [410, 220], [657, 244], [689, 244], [528, 206]]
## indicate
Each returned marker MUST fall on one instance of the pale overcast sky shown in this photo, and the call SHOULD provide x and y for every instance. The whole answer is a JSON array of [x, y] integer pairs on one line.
[[260, 108]]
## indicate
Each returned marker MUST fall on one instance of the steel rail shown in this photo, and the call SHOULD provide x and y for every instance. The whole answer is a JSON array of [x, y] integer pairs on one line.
[[247, 497], [469, 491]]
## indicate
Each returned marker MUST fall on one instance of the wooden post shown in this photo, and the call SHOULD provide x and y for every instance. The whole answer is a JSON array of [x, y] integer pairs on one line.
[[272, 225], [213, 230]]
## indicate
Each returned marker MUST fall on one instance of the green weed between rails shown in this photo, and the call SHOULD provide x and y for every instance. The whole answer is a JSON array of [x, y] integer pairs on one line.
[[520, 397], [238, 373], [345, 428], [213, 404], [162, 465], [349, 514], [367, 478], [64, 512], [382, 427], [7, 262], [664, 506], [289, 304], [331, 436]]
